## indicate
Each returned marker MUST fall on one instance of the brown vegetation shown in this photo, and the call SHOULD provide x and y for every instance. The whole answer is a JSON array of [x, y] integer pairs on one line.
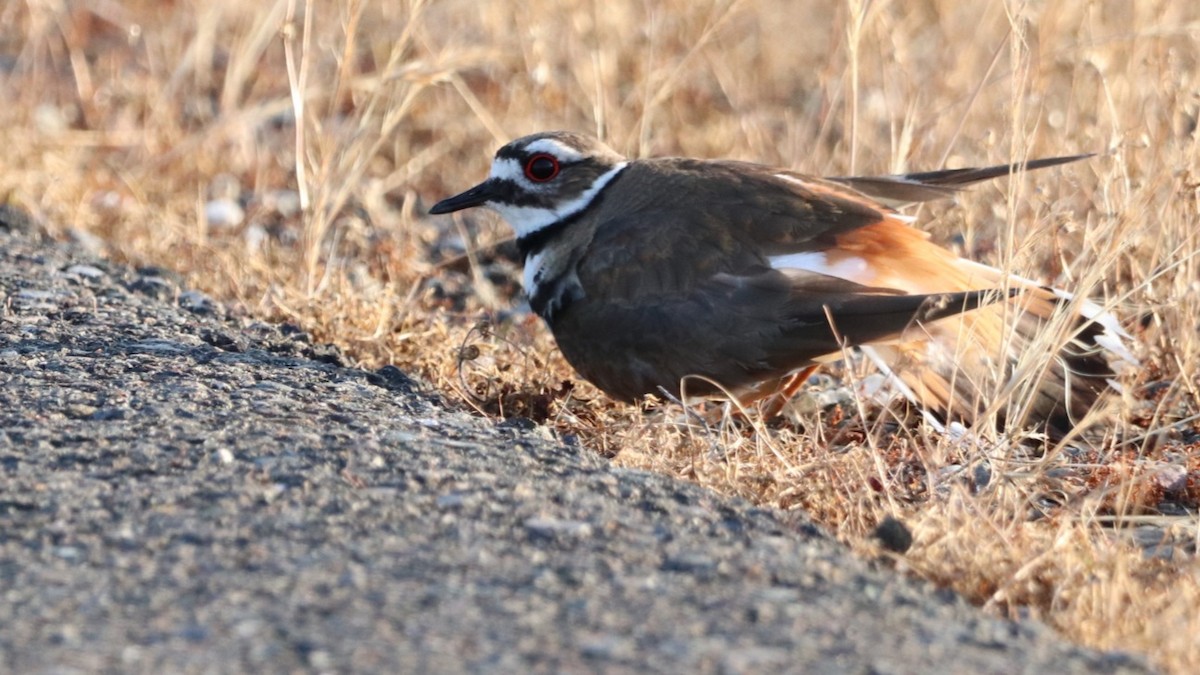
[[333, 126]]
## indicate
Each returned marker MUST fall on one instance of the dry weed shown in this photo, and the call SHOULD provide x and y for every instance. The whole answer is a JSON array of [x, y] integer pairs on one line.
[[281, 155]]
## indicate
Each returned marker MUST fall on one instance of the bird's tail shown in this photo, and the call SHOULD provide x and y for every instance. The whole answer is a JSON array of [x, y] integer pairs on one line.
[[992, 360]]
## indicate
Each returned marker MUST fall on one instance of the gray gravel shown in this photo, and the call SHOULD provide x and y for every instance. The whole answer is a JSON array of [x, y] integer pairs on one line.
[[185, 492]]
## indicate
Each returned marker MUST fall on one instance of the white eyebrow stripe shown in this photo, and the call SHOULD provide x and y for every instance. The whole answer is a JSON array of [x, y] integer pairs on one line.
[[562, 151], [507, 168]]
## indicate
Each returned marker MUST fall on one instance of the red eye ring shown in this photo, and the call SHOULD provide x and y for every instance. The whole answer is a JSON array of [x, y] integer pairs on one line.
[[541, 167]]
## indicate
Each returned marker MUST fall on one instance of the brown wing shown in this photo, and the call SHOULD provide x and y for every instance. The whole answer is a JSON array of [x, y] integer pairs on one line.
[[692, 220], [679, 275]]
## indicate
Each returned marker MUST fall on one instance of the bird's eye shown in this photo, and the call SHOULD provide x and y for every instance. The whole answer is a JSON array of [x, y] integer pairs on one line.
[[541, 168]]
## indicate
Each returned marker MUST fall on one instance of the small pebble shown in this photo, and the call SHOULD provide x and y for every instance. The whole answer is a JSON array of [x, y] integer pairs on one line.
[[223, 214], [551, 528], [196, 302], [86, 271], [894, 535], [1171, 478]]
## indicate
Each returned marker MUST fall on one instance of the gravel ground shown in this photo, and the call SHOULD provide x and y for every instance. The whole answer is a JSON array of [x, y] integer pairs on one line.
[[184, 492]]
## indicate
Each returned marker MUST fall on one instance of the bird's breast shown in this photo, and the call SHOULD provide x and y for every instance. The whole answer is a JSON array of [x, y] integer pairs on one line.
[[551, 283]]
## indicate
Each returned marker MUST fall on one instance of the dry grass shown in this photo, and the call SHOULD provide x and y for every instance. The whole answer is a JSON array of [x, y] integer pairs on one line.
[[334, 124]]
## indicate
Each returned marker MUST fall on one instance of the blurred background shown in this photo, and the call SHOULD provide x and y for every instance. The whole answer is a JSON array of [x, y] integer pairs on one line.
[[281, 157]]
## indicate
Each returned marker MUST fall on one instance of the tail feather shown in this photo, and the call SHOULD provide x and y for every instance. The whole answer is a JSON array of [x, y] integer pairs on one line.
[[965, 365], [962, 365]]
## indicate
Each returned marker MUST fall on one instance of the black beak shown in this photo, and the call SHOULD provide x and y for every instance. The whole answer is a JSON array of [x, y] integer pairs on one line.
[[476, 196]]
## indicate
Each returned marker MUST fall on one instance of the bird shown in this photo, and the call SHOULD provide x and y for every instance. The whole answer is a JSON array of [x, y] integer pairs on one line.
[[721, 278]]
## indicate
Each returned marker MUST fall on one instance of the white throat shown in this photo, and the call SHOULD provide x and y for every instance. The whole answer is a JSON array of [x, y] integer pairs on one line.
[[526, 220]]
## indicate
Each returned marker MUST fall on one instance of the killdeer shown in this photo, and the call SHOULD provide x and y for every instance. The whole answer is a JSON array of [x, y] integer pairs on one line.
[[741, 278]]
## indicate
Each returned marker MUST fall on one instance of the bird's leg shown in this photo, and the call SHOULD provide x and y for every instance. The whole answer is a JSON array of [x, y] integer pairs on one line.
[[774, 405], [767, 398]]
